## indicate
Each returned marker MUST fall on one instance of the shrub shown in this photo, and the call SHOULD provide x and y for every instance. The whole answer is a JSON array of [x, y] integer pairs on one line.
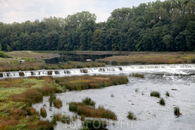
[[162, 102], [167, 94], [131, 116], [88, 101], [95, 124], [43, 112], [177, 111], [155, 94], [57, 103]]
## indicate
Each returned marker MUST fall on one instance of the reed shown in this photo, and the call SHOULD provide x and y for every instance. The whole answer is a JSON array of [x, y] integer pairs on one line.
[[88, 101], [177, 111]]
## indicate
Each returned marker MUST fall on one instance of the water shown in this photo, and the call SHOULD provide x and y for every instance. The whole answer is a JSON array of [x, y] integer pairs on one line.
[[74, 57], [150, 115]]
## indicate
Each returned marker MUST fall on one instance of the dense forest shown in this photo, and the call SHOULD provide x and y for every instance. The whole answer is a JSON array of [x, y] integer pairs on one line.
[[155, 26]]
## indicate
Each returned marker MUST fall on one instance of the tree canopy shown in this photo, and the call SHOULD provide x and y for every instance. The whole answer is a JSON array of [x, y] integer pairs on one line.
[[153, 26]]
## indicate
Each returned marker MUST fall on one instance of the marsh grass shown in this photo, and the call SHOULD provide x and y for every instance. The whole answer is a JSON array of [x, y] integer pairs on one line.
[[150, 58], [43, 112], [137, 75], [88, 101], [37, 65], [155, 94], [84, 110], [89, 82], [66, 119], [131, 116], [162, 101], [95, 124], [17, 96], [57, 103]]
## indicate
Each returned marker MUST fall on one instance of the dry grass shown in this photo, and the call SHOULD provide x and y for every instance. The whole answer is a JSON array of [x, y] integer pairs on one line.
[[90, 82], [159, 58]]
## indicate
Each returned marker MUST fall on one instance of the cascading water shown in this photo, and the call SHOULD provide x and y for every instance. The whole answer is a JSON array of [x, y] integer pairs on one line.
[[174, 69]]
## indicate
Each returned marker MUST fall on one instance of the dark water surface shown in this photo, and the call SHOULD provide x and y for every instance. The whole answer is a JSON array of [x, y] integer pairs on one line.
[[74, 57]]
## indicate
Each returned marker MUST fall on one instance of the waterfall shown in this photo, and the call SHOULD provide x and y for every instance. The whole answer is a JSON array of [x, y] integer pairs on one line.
[[173, 68]]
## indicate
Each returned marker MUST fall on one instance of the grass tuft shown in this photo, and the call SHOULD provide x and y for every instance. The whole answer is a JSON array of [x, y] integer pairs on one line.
[[131, 116], [177, 111], [57, 103], [162, 101], [137, 75], [155, 94], [88, 101], [43, 112], [167, 94]]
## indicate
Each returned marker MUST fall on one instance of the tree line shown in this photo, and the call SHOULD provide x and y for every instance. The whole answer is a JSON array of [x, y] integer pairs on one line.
[[155, 26]]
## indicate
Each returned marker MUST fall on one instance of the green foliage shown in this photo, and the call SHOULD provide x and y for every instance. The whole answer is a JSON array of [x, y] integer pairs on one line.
[[155, 94], [154, 26]]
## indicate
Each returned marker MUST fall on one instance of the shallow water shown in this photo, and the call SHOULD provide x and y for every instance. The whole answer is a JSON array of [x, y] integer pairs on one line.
[[150, 115]]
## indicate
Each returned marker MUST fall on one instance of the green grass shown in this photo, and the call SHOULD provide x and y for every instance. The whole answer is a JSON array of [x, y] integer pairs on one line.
[[155, 94], [4, 55]]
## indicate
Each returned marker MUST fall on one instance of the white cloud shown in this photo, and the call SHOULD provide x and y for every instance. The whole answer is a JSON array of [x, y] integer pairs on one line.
[[23, 10]]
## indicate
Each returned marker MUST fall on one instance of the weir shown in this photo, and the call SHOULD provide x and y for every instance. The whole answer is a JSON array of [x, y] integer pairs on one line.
[[173, 68]]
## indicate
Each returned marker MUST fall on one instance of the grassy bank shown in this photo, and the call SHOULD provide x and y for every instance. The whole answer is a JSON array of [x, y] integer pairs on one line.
[[150, 58], [40, 65], [14, 57], [89, 82]]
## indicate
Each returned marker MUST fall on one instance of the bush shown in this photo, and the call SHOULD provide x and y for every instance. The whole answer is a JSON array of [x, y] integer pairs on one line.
[[131, 116], [167, 94], [162, 102], [43, 112], [155, 94], [57, 103], [95, 124], [177, 111], [88, 101]]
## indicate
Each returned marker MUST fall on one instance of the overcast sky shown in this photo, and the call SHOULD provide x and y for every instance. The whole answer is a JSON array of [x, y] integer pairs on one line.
[[23, 10]]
